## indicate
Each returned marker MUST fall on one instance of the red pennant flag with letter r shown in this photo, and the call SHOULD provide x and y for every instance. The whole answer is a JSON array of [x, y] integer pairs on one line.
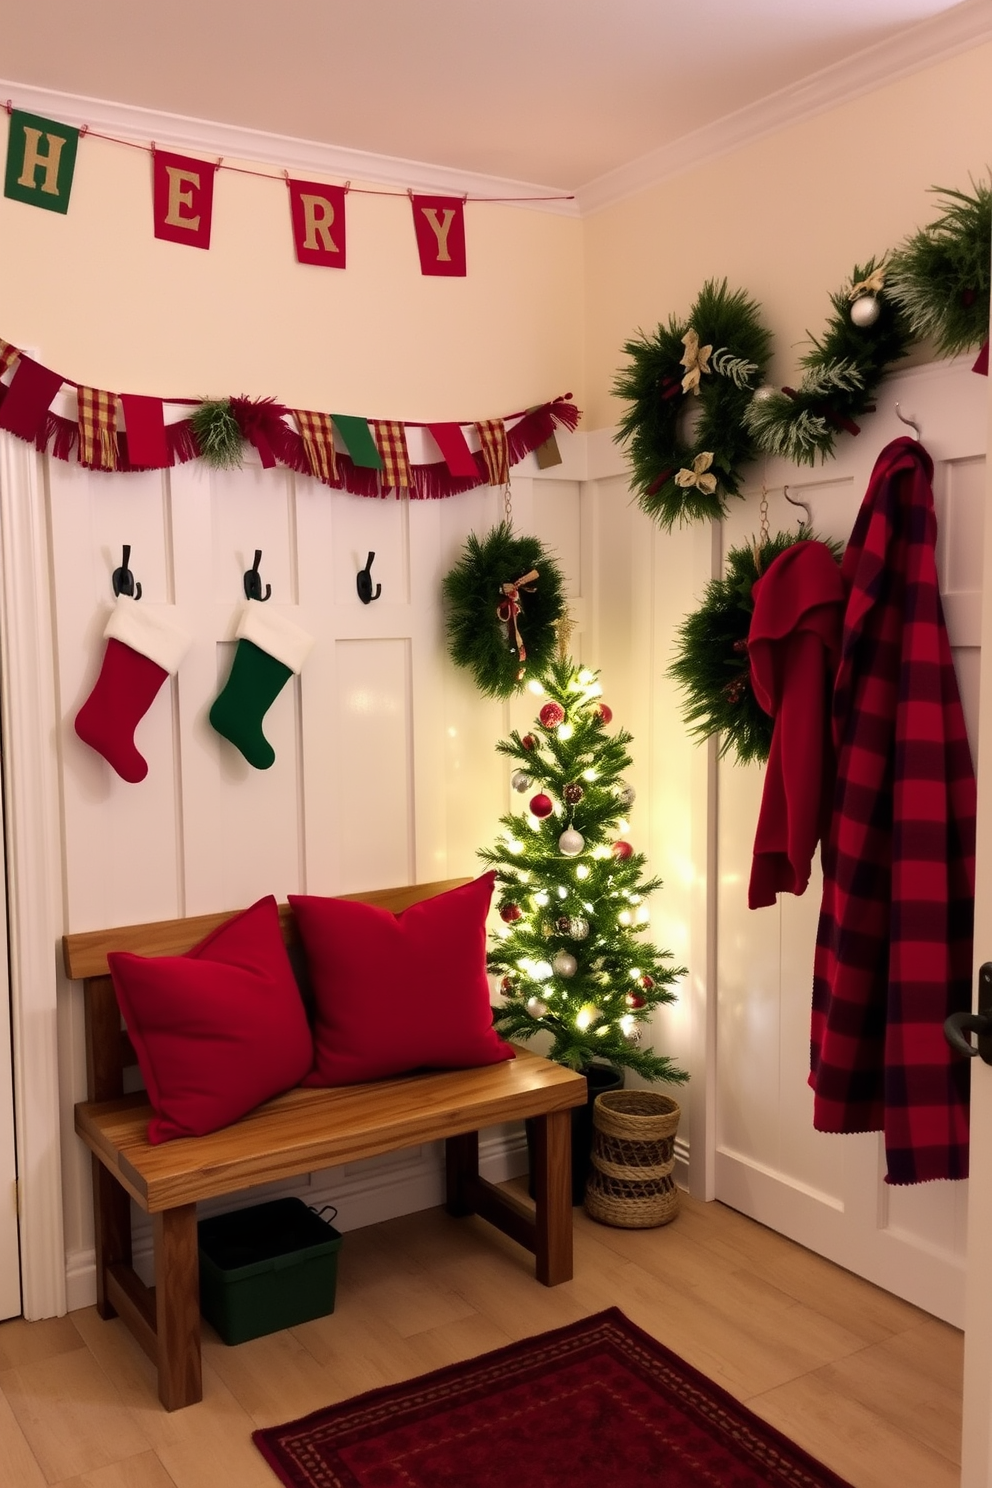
[[317, 214], [183, 198], [439, 222]]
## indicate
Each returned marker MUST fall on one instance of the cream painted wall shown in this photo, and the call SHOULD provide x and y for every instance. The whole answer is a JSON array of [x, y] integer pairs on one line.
[[102, 301], [786, 217]]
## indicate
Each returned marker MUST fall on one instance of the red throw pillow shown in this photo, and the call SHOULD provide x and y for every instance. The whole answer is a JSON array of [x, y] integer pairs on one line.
[[216, 1031], [399, 992]]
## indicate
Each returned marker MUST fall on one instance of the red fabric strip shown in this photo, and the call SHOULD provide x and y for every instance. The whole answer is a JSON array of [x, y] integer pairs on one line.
[[453, 445], [28, 398], [144, 423]]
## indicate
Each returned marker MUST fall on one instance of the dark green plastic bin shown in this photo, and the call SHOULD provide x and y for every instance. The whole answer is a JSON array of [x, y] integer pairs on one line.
[[266, 1268]]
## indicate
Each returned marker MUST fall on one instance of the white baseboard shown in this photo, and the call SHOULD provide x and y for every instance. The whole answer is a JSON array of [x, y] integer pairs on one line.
[[363, 1194]]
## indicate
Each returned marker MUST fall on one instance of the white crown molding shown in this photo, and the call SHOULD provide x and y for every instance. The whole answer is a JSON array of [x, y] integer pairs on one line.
[[234, 142], [923, 45]]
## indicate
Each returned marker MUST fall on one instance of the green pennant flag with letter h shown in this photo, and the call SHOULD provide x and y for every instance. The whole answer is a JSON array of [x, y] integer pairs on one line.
[[41, 158]]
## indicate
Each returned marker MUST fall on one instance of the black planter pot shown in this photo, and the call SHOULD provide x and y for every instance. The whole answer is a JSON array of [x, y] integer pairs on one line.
[[599, 1078]]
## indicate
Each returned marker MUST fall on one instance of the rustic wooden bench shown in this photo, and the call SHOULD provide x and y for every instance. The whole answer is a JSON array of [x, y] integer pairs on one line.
[[299, 1132]]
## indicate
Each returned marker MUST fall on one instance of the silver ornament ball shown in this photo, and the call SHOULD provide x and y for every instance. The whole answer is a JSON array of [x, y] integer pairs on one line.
[[565, 964], [626, 795], [536, 1007], [571, 842], [520, 780], [763, 393], [865, 311], [579, 928]]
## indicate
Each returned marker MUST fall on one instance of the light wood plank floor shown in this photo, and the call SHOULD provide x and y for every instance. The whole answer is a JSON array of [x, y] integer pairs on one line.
[[865, 1382]]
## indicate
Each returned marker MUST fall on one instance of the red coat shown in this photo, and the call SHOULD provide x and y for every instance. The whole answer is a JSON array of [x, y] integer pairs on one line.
[[794, 648]]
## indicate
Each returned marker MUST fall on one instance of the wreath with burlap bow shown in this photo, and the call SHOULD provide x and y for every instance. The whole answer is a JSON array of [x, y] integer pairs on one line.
[[503, 601], [689, 387]]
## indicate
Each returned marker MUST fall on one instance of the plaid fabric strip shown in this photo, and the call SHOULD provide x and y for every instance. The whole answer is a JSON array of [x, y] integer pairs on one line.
[[390, 439], [318, 443], [8, 355], [894, 943], [97, 429], [495, 451]]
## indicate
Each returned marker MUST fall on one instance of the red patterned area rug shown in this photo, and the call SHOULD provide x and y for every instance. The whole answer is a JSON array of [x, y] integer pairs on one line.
[[598, 1404]]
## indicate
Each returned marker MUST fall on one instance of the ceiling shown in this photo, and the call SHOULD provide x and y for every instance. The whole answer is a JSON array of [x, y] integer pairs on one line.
[[535, 91]]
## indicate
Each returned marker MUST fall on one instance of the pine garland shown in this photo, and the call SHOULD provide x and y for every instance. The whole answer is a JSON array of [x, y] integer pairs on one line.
[[711, 661], [840, 376], [478, 637], [940, 275], [680, 478], [218, 434]]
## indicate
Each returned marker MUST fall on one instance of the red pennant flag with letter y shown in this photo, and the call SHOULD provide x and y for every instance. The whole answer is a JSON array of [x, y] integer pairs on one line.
[[439, 222]]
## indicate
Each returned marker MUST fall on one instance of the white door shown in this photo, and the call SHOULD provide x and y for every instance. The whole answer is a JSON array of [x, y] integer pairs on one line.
[[10, 1271], [827, 1191]]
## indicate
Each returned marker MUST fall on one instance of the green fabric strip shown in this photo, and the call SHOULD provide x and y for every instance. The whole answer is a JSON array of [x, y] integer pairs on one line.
[[358, 438]]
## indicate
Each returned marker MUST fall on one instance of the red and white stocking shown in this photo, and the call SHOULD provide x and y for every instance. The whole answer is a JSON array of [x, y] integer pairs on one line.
[[143, 648]]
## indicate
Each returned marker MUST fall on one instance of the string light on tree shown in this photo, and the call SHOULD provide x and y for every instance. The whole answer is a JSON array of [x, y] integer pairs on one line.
[[567, 966]]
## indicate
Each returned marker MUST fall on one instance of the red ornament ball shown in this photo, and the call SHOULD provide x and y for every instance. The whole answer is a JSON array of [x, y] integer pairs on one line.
[[635, 1000], [647, 982], [506, 986], [604, 712], [622, 851], [510, 912], [573, 793], [528, 741], [551, 715], [541, 805]]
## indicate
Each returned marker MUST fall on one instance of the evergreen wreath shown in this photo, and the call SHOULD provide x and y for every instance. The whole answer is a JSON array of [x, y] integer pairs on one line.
[[940, 275], [718, 355], [867, 331], [500, 622], [711, 662]]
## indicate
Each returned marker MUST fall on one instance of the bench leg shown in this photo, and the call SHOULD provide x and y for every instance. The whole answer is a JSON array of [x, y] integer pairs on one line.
[[553, 1197], [111, 1232], [461, 1161], [177, 1307]]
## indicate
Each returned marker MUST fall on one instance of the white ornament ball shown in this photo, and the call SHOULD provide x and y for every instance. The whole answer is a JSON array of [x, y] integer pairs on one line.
[[571, 842], [763, 393], [565, 964], [865, 311], [626, 795], [537, 1007], [579, 928], [520, 780]]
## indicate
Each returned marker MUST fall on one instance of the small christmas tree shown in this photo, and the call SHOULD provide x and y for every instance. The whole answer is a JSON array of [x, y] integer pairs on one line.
[[570, 953]]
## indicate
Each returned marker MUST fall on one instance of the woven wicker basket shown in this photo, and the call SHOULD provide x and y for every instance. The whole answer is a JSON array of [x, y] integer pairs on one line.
[[631, 1184]]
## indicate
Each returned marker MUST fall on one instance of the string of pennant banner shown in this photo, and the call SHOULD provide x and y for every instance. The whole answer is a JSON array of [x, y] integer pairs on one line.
[[121, 432], [41, 162]]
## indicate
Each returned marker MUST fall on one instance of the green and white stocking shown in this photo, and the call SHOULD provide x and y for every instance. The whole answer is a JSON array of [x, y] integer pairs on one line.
[[270, 650]]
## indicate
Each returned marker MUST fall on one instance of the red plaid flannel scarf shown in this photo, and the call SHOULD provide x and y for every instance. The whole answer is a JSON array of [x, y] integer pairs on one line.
[[318, 444], [97, 429], [8, 355], [390, 441], [495, 451], [894, 945]]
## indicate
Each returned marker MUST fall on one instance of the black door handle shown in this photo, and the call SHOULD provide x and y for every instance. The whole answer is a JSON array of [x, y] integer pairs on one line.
[[959, 1025]]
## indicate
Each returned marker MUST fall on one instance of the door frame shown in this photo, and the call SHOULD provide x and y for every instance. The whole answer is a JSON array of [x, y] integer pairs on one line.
[[30, 724]]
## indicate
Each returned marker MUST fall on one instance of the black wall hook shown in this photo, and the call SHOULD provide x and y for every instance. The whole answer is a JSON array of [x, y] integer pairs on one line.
[[253, 581], [123, 579], [363, 581]]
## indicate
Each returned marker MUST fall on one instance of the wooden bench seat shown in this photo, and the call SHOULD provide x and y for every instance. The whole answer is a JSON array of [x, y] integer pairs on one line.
[[299, 1132]]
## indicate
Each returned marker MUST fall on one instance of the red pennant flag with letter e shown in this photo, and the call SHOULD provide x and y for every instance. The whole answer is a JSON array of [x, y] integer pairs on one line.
[[439, 222], [317, 214], [183, 193]]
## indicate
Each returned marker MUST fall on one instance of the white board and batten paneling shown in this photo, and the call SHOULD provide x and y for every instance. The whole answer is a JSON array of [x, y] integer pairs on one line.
[[385, 772], [827, 1191]]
